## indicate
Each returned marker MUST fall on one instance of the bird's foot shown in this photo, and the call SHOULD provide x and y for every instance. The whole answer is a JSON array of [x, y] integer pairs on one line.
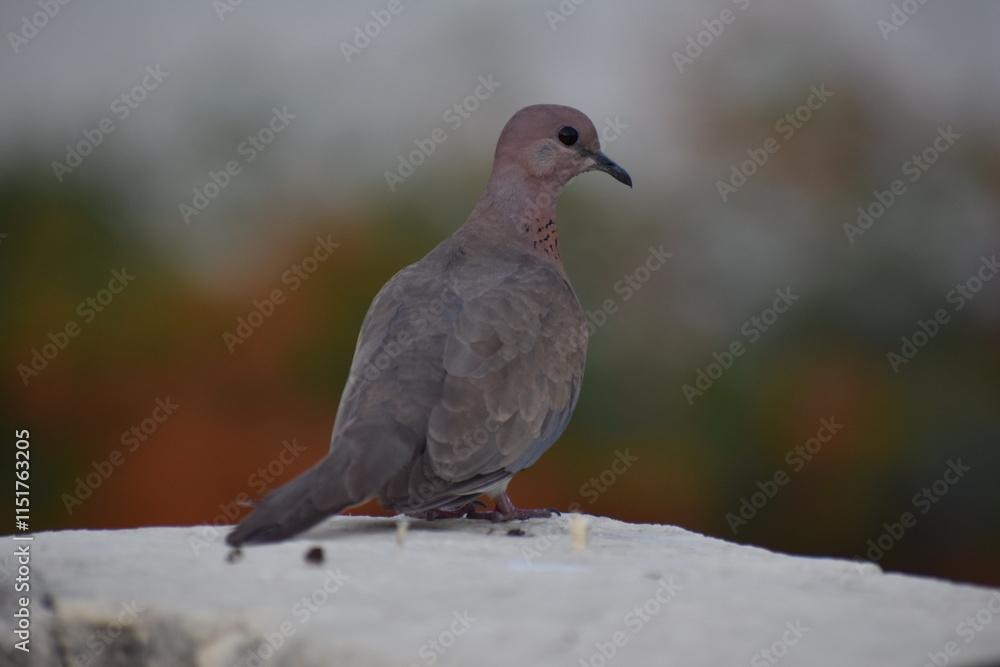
[[505, 511]]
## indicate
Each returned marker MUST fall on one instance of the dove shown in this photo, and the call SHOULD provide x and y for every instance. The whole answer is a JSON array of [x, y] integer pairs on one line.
[[469, 362]]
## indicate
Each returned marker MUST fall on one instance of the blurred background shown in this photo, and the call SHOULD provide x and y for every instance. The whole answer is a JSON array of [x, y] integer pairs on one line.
[[165, 169]]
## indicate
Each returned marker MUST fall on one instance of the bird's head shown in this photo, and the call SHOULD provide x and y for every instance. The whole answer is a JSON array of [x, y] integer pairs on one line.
[[553, 143]]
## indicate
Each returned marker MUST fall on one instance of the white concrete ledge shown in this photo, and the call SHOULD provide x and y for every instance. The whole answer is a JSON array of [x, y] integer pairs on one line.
[[464, 592]]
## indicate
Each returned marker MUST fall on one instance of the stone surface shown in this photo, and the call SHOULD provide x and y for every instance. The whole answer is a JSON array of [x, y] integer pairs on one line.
[[459, 592]]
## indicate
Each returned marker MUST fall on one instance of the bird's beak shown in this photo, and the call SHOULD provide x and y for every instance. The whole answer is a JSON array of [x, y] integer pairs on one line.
[[603, 163]]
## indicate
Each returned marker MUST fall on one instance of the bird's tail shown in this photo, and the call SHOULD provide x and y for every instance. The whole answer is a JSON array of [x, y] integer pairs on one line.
[[286, 511]]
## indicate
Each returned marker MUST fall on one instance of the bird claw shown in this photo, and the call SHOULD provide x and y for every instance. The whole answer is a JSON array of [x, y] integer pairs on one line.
[[521, 514], [505, 511]]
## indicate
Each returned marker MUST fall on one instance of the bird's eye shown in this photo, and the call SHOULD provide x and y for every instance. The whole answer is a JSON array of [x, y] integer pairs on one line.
[[568, 135]]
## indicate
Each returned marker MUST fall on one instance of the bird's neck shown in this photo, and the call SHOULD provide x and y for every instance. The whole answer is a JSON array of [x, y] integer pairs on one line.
[[527, 205], [544, 237]]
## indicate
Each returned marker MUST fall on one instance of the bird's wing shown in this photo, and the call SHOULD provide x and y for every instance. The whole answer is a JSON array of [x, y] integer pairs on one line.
[[513, 364]]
